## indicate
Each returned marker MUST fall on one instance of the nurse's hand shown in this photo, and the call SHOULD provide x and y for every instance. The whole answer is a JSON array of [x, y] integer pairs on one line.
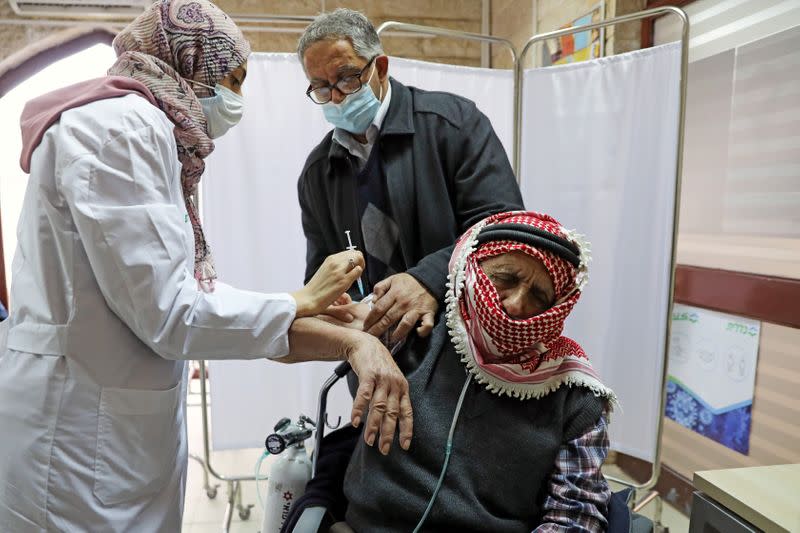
[[382, 398], [336, 274], [351, 315]]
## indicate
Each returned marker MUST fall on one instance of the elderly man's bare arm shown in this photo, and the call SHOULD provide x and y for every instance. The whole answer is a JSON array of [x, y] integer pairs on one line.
[[382, 400]]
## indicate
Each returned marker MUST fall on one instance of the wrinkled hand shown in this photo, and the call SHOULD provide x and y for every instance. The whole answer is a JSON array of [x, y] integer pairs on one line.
[[382, 397], [350, 315], [336, 274], [401, 300]]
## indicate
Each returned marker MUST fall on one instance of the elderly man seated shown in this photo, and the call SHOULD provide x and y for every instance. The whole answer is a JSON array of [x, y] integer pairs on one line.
[[510, 425]]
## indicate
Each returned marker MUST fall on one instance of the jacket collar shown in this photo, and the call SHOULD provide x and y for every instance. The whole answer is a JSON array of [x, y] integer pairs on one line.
[[400, 117], [398, 121]]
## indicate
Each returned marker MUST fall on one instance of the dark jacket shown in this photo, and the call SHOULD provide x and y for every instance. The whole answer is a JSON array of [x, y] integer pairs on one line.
[[445, 170], [504, 452]]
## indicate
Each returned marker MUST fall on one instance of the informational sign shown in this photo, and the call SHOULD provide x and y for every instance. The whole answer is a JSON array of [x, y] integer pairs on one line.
[[712, 370]]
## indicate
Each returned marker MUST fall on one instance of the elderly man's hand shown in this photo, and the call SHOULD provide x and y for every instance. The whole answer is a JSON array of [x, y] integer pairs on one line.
[[383, 392], [401, 300]]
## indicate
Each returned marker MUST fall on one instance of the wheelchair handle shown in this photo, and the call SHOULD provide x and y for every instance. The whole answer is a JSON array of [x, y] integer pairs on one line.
[[339, 372], [342, 369]]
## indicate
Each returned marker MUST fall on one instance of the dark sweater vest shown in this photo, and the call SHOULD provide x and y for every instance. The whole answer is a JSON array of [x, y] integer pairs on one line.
[[504, 451], [378, 231]]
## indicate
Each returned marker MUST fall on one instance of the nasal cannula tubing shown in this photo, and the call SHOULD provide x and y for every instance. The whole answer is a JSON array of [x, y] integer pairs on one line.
[[447, 451]]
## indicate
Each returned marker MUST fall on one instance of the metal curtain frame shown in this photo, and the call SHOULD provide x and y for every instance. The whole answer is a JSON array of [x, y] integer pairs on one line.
[[656, 469], [234, 482], [445, 32], [457, 34]]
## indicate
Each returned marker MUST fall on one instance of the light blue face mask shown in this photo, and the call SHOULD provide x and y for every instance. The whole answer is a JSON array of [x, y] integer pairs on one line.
[[223, 110], [357, 110]]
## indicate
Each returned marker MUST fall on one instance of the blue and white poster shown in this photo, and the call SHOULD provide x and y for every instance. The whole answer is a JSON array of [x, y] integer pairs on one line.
[[712, 371]]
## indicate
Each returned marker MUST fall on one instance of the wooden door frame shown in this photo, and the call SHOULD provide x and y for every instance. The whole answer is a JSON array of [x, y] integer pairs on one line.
[[648, 24]]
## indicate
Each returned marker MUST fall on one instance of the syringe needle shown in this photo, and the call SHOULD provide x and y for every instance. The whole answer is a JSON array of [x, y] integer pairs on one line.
[[351, 247]]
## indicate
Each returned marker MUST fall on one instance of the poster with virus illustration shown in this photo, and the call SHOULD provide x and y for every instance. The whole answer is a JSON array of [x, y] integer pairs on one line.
[[712, 371]]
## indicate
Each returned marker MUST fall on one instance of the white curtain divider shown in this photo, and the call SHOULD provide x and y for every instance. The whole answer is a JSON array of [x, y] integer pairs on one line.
[[252, 221], [598, 153]]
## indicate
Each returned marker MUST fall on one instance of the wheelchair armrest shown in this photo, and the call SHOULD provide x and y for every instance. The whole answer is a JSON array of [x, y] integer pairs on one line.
[[311, 520]]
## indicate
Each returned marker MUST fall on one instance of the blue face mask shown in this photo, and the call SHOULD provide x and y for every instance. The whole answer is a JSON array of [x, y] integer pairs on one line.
[[223, 110], [357, 110]]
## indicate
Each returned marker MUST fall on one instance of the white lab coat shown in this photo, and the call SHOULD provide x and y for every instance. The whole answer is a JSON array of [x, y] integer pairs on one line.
[[105, 313]]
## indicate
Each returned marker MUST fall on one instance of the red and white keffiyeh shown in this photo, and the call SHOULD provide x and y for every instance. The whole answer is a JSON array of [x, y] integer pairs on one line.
[[523, 358]]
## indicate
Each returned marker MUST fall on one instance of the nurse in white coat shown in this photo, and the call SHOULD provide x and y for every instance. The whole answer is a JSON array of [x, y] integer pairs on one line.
[[113, 288]]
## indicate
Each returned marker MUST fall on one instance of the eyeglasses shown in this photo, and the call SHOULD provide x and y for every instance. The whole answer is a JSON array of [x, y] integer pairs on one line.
[[347, 85]]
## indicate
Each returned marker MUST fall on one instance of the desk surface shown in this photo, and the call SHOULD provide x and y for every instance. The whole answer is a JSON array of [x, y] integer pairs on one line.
[[766, 496]]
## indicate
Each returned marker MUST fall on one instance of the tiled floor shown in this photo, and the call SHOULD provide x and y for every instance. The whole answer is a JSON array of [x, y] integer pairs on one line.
[[204, 515]]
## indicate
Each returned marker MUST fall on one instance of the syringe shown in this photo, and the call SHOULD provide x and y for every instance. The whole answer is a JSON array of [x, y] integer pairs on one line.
[[352, 247]]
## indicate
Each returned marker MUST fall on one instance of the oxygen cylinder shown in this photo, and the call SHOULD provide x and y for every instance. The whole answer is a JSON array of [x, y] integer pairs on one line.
[[286, 483]]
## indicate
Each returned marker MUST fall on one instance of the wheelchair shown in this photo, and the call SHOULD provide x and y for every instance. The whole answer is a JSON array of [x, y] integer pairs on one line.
[[322, 508]]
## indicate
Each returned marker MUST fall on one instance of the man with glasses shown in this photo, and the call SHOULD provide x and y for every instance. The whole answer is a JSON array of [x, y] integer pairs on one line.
[[403, 173]]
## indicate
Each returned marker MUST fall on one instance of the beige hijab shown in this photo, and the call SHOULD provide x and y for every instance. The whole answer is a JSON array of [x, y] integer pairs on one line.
[[170, 43]]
